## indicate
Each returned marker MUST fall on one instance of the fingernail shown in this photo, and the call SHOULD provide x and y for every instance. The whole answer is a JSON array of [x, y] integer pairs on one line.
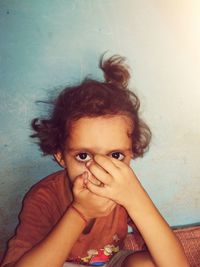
[[88, 163], [85, 176]]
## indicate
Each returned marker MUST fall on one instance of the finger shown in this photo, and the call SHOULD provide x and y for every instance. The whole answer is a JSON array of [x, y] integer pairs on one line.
[[80, 181], [101, 174], [93, 179], [122, 167], [100, 191], [107, 164], [118, 163]]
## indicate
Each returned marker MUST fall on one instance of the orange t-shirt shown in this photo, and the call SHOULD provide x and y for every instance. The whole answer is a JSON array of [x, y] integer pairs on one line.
[[45, 204]]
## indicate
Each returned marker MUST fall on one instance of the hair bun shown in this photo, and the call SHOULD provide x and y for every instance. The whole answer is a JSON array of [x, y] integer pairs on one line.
[[115, 70]]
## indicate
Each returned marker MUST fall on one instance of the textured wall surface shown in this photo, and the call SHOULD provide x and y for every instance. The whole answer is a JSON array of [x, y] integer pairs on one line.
[[45, 44]]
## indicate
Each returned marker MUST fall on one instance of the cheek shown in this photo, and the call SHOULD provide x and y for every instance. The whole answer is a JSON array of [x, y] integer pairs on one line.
[[127, 160], [74, 169]]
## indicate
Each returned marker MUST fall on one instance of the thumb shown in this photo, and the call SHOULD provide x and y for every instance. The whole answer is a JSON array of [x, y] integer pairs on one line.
[[80, 182]]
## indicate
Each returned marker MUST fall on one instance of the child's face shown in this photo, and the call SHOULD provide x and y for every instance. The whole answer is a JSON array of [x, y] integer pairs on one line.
[[108, 136]]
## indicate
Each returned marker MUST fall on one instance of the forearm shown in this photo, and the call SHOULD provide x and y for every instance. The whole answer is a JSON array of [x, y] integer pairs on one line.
[[55, 248], [122, 186], [163, 245]]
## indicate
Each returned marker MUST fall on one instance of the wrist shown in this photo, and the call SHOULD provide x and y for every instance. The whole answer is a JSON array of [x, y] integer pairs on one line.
[[76, 209], [135, 200]]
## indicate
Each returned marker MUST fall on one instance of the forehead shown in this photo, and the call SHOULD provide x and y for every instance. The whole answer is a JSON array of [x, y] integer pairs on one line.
[[101, 133]]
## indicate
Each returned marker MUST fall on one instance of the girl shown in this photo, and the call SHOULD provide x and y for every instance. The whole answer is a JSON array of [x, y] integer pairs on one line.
[[79, 216]]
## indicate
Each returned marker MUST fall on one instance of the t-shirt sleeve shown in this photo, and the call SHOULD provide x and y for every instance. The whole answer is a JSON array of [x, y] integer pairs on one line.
[[35, 222]]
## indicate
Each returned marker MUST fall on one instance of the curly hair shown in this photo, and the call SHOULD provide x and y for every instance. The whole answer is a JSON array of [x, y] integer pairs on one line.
[[92, 98]]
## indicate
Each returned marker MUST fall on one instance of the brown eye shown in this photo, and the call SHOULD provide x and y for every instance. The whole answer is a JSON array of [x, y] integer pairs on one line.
[[83, 157], [117, 155]]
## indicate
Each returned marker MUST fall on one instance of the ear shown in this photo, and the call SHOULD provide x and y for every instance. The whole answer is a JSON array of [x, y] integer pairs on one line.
[[59, 158]]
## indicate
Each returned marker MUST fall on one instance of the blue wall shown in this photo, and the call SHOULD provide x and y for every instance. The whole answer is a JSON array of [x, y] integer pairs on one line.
[[46, 44]]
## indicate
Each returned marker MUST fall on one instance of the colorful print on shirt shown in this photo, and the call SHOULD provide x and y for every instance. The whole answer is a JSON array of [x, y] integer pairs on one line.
[[101, 256]]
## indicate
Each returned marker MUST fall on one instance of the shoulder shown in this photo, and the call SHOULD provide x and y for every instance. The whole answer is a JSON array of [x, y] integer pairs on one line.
[[43, 206], [51, 190], [50, 180], [54, 181]]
